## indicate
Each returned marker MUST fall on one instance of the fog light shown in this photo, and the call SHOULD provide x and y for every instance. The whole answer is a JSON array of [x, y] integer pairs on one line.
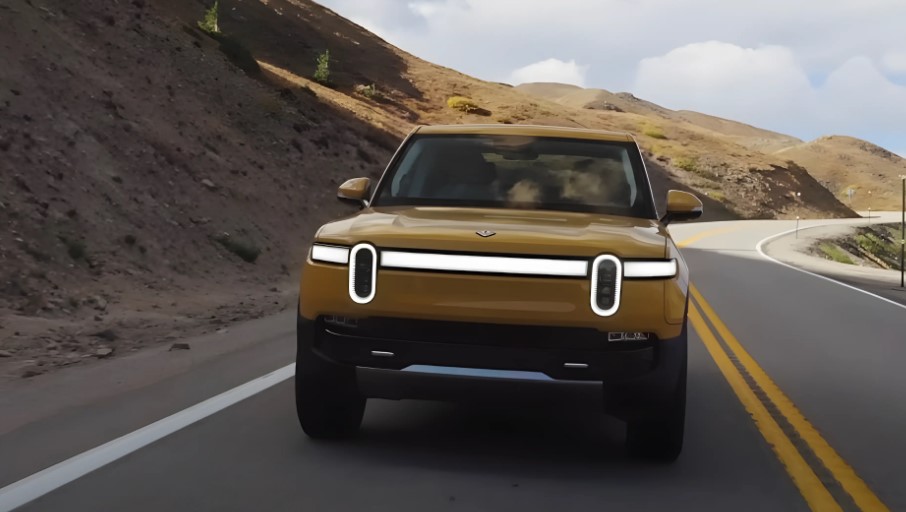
[[627, 336]]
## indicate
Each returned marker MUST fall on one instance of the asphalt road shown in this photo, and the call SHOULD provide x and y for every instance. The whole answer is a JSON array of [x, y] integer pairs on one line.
[[795, 403]]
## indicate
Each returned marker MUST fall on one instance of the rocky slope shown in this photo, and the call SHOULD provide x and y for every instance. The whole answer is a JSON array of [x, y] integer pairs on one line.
[[139, 170]]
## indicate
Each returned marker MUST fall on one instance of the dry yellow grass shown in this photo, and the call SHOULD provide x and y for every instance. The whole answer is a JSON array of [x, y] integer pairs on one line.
[[844, 163], [462, 104]]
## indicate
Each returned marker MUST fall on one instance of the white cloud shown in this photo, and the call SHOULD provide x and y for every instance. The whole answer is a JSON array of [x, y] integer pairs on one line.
[[551, 70], [758, 85], [786, 47], [768, 87], [895, 61], [424, 9], [856, 96]]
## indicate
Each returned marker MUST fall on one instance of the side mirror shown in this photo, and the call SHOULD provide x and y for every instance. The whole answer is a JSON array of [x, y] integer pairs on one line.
[[681, 206], [355, 191]]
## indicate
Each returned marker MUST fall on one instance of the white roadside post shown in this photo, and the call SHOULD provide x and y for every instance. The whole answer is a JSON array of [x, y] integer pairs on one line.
[[903, 235], [798, 196], [869, 207]]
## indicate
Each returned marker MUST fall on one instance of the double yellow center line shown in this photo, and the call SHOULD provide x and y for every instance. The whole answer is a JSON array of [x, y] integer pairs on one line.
[[825, 480]]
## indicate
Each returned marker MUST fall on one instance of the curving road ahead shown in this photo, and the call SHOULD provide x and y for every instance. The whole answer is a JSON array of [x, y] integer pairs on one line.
[[796, 388]]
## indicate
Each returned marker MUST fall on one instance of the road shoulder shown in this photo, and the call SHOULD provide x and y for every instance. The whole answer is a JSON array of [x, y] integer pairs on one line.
[[25, 401], [793, 249], [53, 417]]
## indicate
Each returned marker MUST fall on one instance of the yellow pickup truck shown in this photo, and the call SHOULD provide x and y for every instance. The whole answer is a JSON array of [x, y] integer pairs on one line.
[[500, 262]]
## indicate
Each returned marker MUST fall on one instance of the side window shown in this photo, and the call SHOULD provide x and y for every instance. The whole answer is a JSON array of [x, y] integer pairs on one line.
[[630, 177], [402, 179]]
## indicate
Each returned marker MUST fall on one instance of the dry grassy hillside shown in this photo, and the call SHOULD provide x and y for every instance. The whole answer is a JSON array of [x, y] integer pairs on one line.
[[734, 179], [844, 163], [600, 99], [837, 162]]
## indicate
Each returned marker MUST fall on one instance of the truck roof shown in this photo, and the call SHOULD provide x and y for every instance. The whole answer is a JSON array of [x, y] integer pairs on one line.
[[524, 130]]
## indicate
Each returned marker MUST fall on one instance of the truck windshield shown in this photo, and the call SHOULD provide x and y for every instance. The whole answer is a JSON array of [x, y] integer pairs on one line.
[[500, 171]]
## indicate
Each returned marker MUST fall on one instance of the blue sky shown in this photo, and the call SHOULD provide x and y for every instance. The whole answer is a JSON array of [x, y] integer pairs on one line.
[[807, 68]]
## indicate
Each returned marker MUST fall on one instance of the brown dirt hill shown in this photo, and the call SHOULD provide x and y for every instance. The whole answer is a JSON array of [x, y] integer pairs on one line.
[[734, 180], [600, 99], [129, 147], [838, 162], [844, 163]]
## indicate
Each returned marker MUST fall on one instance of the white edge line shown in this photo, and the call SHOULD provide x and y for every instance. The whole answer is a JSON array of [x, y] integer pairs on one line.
[[33, 487], [764, 241]]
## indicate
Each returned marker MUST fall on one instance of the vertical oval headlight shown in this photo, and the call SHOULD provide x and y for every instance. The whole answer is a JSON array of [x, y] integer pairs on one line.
[[362, 273], [606, 280]]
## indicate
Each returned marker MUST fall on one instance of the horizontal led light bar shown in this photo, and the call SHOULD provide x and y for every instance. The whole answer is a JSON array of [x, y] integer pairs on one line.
[[643, 269], [484, 264], [330, 254], [495, 264]]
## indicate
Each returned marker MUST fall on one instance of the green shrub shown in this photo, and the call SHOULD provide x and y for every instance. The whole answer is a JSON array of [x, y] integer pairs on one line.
[[322, 72], [881, 242], [248, 251], [834, 253], [209, 22], [687, 164]]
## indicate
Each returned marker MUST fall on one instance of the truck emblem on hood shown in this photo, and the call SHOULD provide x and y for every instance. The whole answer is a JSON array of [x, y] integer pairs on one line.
[[485, 233]]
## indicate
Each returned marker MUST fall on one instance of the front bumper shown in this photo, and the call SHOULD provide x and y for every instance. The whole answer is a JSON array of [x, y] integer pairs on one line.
[[632, 378], [647, 305]]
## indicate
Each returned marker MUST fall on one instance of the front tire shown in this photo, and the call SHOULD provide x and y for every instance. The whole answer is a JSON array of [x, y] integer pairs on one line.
[[328, 402], [659, 437]]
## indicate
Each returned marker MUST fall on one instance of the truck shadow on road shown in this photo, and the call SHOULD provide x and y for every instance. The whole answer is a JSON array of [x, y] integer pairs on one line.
[[562, 442], [469, 437]]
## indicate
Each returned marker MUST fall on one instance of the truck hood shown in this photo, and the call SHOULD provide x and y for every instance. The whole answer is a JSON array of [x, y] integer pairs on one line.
[[519, 232]]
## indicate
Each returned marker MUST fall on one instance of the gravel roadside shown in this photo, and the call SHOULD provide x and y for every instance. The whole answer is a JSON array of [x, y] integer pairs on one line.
[[796, 250]]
